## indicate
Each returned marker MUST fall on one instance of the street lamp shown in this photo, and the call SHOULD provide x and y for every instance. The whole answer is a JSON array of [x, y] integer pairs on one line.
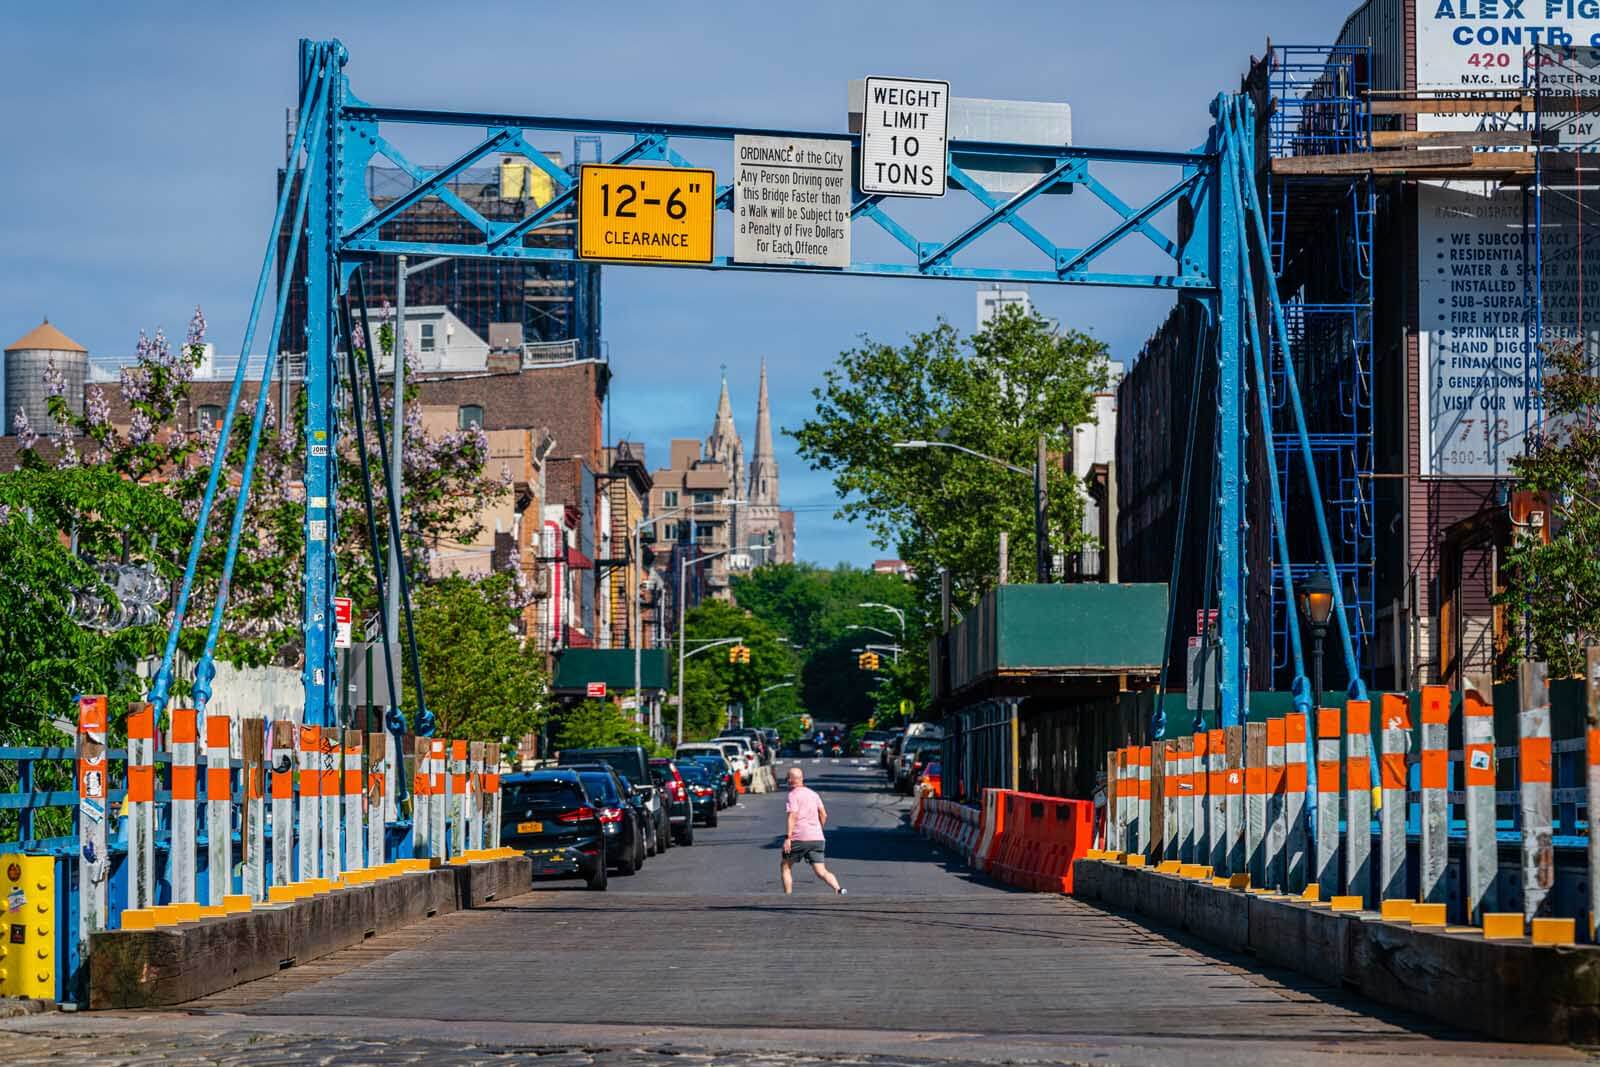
[[899, 614], [633, 614], [1041, 548], [768, 689], [683, 568], [1316, 606]]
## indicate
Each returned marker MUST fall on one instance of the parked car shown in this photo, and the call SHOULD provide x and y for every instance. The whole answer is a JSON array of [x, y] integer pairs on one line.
[[620, 819], [915, 754], [725, 764], [702, 788], [736, 750], [758, 742], [631, 762], [721, 775], [653, 841], [931, 782], [891, 753], [872, 742], [550, 817], [674, 789]]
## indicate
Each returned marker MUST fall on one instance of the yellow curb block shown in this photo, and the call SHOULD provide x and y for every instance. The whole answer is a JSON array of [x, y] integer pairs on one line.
[[1170, 866], [1396, 911], [1238, 881], [1194, 870], [1554, 931], [234, 903], [1311, 893], [1133, 859], [1349, 903], [1427, 915], [187, 912], [138, 919], [1497, 924]]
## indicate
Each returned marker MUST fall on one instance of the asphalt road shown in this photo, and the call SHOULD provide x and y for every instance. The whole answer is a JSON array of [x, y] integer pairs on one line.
[[700, 958]]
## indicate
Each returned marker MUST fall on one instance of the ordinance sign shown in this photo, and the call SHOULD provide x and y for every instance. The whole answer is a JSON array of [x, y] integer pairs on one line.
[[904, 129], [791, 201], [655, 214]]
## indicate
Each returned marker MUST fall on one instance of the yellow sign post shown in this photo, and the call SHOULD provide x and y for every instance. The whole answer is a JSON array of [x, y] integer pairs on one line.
[[654, 214]]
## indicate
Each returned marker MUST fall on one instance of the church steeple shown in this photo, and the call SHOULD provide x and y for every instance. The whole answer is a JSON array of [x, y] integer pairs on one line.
[[724, 439], [763, 489]]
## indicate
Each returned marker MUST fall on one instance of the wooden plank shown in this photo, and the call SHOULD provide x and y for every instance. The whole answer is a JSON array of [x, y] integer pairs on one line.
[[1453, 138], [1465, 105], [252, 828], [1360, 162]]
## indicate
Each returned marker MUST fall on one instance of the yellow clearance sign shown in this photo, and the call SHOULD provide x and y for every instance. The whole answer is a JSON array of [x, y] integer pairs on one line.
[[654, 214]]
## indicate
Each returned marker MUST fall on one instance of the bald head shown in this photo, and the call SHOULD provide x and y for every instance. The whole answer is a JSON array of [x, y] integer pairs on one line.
[[796, 777]]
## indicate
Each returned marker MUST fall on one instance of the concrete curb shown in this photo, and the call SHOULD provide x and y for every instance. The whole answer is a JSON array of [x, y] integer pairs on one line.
[[174, 964], [1510, 989]]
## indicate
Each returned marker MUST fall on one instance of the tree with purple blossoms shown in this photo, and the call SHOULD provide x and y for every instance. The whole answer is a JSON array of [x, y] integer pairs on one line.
[[157, 448]]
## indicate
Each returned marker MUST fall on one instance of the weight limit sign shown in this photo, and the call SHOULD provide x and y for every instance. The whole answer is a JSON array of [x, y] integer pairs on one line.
[[905, 127]]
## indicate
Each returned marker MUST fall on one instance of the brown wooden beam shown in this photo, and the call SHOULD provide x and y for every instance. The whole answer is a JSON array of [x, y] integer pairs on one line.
[[1361, 162], [1453, 138], [1464, 105]]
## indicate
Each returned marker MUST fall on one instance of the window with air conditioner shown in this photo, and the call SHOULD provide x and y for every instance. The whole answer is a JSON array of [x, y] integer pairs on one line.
[[207, 417], [469, 415]]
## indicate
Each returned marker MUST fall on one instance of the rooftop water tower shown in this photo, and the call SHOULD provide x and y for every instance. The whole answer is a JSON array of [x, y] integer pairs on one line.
[[26, 362]]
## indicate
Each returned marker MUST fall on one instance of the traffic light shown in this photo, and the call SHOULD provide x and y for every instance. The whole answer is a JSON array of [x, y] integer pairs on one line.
[[867, 661], [739, 654]]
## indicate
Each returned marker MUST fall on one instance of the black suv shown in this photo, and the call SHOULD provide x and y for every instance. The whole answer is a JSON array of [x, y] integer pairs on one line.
[[630, 762], [622, 823], [674, 791], [549, 816]]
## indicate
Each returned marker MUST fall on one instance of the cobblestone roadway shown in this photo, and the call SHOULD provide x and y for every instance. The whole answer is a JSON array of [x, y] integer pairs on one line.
[[699, 959]]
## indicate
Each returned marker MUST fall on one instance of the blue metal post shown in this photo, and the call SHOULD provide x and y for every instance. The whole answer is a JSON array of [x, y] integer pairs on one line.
[[1230, 481], [318, 429]]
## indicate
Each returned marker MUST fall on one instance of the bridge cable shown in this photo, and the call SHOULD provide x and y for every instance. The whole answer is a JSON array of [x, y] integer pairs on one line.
[[424, 721], [161, 686], [205, 669], [1158, 715]]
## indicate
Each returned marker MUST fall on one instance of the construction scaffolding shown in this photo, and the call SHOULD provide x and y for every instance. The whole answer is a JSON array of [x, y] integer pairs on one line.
[[1322, 247], [556, 303]]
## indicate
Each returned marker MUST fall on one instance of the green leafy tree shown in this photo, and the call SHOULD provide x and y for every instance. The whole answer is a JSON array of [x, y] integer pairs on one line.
[[598, 724], [712, 684], [995, 392], [482, 683], [820, 613], [46, 658], [1554, 588]]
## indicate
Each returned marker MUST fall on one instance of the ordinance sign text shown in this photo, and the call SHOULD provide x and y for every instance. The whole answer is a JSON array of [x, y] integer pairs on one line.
[[791, 201]]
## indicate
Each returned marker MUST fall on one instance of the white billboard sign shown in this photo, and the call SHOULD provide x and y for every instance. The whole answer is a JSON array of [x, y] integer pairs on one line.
[[905, 127], [1474, 337], [791, 201], [1472, 47]]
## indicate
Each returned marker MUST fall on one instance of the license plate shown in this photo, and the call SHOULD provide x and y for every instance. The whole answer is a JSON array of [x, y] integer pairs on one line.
[[530, 827]]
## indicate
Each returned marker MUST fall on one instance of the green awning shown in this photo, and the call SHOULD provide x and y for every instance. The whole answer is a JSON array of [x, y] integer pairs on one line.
[[576, 668]]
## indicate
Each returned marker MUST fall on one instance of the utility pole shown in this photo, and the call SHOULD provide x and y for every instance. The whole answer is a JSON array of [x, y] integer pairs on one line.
[[1040, 525]]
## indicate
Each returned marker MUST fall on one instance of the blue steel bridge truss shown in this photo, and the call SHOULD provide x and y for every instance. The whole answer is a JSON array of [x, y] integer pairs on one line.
[[340, 135]]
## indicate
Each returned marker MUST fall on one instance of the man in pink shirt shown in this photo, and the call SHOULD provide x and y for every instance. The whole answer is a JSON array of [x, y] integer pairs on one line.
[[803, 839]]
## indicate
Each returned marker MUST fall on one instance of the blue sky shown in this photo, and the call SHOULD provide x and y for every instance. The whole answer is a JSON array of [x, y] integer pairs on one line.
[[142, 141]]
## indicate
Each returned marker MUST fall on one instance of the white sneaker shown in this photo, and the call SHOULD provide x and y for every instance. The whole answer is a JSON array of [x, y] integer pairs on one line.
[[843, 891]]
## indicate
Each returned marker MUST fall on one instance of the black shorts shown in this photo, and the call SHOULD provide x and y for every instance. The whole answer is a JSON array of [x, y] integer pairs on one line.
[[810, 851]]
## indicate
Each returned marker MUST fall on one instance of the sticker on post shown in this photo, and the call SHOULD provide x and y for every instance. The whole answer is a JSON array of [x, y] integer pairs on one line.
[[1480, 760]]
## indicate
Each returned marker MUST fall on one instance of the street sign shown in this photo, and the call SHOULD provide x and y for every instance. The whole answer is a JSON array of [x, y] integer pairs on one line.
[[343, 614], [595, 690], [791, 201], [654, 214], [904, 129]]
